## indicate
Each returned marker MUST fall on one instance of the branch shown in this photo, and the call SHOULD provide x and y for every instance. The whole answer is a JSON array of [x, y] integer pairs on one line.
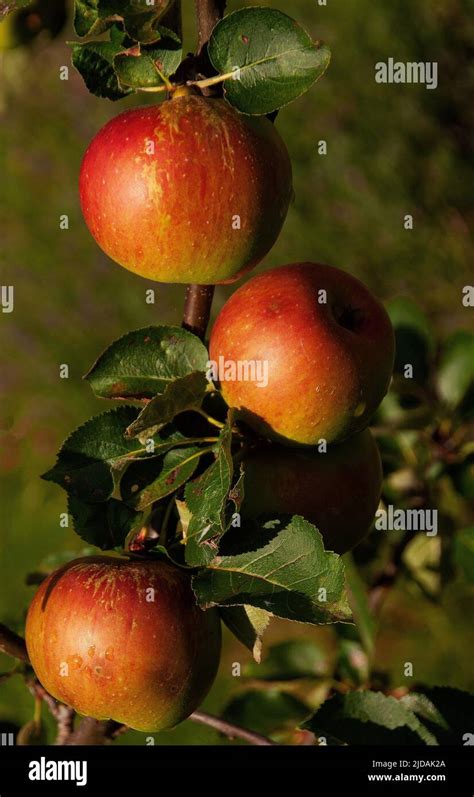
[[208, 13], [198, 301], [96, 732], [12, 644], [197, 308], [229, 729]]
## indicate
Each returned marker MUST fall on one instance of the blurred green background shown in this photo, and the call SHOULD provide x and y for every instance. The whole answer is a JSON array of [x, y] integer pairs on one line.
[[391, 150]]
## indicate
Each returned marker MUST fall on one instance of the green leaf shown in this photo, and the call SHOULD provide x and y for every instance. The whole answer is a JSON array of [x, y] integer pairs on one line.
[[421, 705], [87, 18], [280, 566], [147, 67], [369, 718], [364, 620], [142, 363], [185, 393], [105, 525], [266, 712], [93, 456], [140, 20], [207, 498], [94, 61], [248, 624], [147, 481], [287, 661], [414, 342], [455, 377], [447, 712], [277, 60]]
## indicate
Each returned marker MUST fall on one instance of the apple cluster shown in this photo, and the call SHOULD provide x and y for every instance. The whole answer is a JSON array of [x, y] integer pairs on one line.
[[192, 191]]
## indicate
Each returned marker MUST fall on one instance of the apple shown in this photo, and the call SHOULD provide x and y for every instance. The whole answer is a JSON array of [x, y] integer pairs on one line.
[[123, 639], [186, 191], [338, 491], [322, 348]]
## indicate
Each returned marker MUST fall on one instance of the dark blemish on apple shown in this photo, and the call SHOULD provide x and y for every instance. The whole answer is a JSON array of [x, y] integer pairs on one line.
[[349, 317]]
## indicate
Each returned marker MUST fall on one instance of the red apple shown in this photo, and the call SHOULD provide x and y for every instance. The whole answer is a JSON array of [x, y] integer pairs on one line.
[[327, 345], [338, 491], [186, 191], [123, 639]]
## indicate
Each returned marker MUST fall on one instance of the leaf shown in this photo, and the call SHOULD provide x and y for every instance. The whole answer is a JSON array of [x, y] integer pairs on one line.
[[87, 18], [248, 624], [369, 718], [281, 566], [414, 343], [207, 499], [419, 704], [147, 67], [455, 377], [287, 661], [266, 712], [364, 620], [94, 61], [142, 363], [140, 19], [90, 458], [150, 480], [276, 59], [451, 714], [105, 525], [185, 393]]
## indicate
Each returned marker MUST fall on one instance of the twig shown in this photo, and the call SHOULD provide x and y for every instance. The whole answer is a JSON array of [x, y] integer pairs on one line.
[[229, 729], [12, 644], [96, 732], [208, 13], [198, 301], [197, 308]]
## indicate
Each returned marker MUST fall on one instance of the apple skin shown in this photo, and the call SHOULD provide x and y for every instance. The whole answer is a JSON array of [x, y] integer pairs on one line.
[[168, 216], [329, 365], [338, 491], [148, 664]]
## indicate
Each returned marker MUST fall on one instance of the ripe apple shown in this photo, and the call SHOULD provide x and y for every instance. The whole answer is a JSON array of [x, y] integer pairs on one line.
[[123, 639], [338, 491], [327, 343], [186, 191]]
